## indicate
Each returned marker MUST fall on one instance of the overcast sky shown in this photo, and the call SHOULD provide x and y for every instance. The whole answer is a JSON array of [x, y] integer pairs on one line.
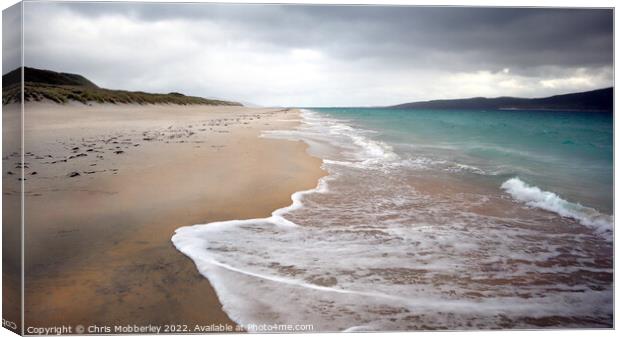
[[323, 55]]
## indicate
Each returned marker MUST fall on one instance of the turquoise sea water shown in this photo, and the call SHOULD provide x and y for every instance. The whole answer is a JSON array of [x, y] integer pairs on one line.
[[428, 220], [569, 153]]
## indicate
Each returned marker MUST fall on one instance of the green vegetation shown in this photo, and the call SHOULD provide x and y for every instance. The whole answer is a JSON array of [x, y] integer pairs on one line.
[[42, 85], [65, 93]]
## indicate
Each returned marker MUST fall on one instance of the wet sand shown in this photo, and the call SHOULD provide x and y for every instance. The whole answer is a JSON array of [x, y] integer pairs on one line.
[[106, 186]]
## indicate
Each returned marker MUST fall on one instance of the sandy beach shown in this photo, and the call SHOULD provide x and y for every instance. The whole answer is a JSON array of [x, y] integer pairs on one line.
[[107, 185], [190, 167]]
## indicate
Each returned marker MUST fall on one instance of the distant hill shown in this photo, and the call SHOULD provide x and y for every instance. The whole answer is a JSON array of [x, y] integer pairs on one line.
[[47, 77], [42, 85], [595, 100]]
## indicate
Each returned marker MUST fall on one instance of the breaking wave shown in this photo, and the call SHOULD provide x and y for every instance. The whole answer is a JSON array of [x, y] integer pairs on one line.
[[549, 201]]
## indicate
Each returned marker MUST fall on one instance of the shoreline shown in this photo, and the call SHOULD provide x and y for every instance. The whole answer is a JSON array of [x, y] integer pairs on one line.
[[269, 271], [187, 239], [99, 242], [181, 179]]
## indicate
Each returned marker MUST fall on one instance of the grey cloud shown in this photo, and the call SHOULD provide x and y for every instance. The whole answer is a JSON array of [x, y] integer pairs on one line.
[[522, 37], [366, 41], [11, 38]]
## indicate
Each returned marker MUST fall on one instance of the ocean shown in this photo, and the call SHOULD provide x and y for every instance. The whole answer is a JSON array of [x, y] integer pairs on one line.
[[429, 219]]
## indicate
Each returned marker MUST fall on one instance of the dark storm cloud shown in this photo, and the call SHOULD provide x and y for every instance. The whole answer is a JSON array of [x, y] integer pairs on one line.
[[519, 37], [555, 48]]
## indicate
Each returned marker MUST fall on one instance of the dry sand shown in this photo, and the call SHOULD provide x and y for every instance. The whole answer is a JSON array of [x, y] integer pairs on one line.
[[98, 247]]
